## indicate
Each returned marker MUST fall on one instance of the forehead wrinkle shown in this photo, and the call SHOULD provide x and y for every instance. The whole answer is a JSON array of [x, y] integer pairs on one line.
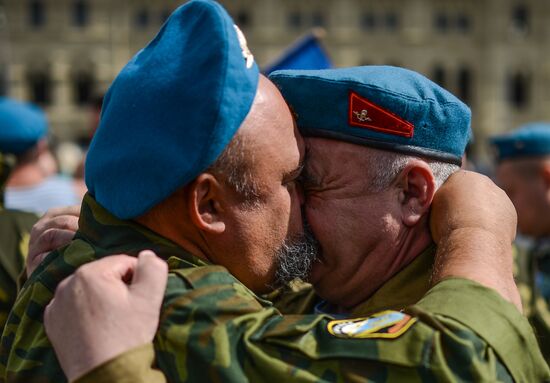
[[329, 185]]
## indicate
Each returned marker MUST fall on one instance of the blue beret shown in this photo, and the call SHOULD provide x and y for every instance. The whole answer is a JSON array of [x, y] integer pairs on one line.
[[172, 110], [22, 125], [529, 140], [380, 106]]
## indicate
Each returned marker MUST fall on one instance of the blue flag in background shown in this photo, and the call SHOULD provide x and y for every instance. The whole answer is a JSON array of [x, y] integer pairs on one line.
[[306, 53]]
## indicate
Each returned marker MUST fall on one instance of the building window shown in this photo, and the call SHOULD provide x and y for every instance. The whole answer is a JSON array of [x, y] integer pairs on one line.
[[518, 90], [295, 20], [520, 19], [80, 13], [439, 76], [243, 19], [40, 87], [142, 18], [368, 21], [392, 21], [465, 85], [318, 20], [441, 22], [37, 13], [463, 23], [83, 88]]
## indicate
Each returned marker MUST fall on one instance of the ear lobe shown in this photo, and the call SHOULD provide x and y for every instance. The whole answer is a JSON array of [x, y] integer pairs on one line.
[[206, 204], [418, 189]]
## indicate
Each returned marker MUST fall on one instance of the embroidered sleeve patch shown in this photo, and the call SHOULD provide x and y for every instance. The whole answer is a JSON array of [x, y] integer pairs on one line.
[[385, 324], [366, 114]]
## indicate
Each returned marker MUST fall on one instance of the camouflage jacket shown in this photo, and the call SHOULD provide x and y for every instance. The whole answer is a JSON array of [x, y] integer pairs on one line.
[[403, 289], [212, 328], [532, 273], [15, 227]]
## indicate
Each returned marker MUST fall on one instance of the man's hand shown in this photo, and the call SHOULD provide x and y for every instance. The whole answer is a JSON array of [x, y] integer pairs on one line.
[[88, 306], [55, 229], [474, 224], [472, 200]]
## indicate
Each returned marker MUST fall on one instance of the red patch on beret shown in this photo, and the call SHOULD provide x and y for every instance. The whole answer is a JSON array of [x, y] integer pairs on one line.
[[366, 114]]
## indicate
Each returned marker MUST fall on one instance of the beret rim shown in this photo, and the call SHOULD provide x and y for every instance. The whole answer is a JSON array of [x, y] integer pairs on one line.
[[383, 145], [360, 85]]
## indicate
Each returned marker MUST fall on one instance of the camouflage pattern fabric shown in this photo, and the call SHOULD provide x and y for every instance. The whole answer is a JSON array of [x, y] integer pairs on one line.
[[212, 328], [131, 367], [15, 227], [532, 273]]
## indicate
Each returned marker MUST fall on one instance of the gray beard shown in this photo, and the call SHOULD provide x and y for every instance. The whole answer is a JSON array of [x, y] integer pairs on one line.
[[296, 257]]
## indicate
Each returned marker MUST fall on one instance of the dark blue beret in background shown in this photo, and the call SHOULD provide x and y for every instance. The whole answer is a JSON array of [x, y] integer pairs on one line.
[[379, 106], [172, 110], [22, 125], [530, 140]]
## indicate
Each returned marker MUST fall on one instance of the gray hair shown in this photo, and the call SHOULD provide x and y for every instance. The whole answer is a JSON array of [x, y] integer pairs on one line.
[[234, 166], [390, 164]]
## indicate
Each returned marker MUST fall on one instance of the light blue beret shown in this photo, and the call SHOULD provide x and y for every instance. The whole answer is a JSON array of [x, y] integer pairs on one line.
[[22, 125], [172, 110], [530, 140], [379, 106]]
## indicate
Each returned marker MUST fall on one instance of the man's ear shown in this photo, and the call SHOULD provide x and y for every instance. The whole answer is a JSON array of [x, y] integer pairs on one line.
[[418, 189], [206, 204]]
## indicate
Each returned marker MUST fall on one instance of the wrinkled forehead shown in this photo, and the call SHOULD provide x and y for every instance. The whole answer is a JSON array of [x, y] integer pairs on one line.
[[334, 157]]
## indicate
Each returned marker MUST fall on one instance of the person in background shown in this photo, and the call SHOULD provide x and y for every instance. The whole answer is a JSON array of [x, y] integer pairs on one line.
[[34, 184], [15, 228], [523, 171]]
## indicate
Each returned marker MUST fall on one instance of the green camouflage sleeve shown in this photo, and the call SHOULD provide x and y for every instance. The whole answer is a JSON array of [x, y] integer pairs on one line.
[[496, 321], [14, 243], [240, 341], [133, 366], [215, 329]]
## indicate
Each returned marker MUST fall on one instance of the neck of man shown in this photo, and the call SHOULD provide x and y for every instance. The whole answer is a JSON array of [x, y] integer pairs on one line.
[[170, 220], [409, 244]]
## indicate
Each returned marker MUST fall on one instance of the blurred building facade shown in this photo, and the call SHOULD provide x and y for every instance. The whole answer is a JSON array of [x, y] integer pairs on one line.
[[493, 54]]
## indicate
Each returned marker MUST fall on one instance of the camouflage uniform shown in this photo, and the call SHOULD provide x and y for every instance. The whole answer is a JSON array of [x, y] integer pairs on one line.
[[532, 272], [15, 227], [212, 328]]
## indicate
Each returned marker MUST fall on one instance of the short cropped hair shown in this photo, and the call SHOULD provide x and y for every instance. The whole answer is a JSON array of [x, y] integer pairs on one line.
[[390, 164], [234, 166]]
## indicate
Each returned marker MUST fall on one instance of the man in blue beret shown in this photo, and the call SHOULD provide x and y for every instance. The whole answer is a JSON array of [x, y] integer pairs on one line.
[[380, 141], [27, 187], [209, 184], [523, 171], [33, 184], [20, 124]]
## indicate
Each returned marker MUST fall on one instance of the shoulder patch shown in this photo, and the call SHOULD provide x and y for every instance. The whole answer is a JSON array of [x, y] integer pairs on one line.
[[386, 324]]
